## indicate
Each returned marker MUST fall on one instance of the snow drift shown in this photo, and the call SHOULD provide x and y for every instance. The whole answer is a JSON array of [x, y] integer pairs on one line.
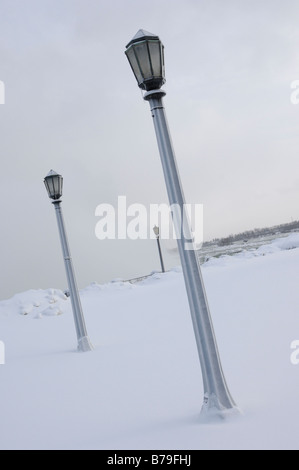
[[141, 386]]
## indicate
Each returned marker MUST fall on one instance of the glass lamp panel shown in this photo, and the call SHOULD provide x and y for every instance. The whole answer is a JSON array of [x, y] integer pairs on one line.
[[156, 59], [57, 183], [142, 54], [51, 187], [162, 63], [134, 64]]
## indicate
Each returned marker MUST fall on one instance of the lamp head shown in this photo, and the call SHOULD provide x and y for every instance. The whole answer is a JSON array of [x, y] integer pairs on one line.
[[54, 182], [145, 53], [156, 230]]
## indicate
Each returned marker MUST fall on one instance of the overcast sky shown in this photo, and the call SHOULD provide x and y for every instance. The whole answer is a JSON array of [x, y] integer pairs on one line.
[[72, 104]]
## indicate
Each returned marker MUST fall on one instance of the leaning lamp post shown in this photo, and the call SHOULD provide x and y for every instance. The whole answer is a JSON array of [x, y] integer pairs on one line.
[[53, 183], [145, 53], [157, 233]]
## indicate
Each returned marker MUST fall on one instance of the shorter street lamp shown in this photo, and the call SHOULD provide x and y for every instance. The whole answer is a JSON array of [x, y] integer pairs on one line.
[[157, 233], [53, 183]]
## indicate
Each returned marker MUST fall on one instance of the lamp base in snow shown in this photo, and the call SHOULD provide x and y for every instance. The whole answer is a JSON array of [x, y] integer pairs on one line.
[[84, 344], [212, 410]]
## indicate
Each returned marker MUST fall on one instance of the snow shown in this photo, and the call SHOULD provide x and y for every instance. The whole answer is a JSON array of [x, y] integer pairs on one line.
[[141, 386], [284, 243]]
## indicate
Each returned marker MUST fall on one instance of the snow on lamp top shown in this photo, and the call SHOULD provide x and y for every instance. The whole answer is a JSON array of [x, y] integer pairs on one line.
[[53, 182], [145, 53]]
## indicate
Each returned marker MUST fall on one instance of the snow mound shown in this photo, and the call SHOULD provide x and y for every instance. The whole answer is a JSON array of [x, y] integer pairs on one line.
[[287, 243], [36, 303]]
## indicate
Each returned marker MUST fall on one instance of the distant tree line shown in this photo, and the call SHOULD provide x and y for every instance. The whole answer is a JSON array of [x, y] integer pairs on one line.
[[257, 232]]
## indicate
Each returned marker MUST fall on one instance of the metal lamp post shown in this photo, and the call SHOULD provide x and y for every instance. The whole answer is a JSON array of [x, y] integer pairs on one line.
[[145, 53], [157, 233], [54, 183]]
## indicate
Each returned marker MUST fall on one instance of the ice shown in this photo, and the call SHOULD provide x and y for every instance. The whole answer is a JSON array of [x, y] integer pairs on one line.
[[280, 244]]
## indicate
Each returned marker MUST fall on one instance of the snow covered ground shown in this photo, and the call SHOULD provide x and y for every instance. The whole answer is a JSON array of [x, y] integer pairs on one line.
[[141, 386]]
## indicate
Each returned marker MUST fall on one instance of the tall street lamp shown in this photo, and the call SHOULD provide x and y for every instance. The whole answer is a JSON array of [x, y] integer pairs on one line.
[[145, 53], [157, 233], [53, 183]]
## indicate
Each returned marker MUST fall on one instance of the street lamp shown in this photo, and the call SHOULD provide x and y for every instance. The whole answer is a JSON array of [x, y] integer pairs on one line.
[[54, 183], [145, 53], [157, 233]]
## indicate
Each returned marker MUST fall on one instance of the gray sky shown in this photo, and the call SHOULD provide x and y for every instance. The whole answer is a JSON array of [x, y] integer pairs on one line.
[[72, 104]]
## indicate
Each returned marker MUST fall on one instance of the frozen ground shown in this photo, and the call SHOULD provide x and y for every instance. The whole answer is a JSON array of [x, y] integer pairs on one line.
[[141, 386], [239, 247]]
